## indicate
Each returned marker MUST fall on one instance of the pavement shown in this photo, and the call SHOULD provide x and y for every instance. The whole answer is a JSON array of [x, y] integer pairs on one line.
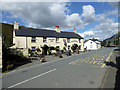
[[112, 76], [85, 70]]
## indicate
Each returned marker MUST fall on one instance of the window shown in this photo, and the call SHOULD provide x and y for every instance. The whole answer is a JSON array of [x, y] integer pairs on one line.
[[33, 49], [91, 46], [68, 40], [79, 40], [57, 40], [44, 39], [33, 39]]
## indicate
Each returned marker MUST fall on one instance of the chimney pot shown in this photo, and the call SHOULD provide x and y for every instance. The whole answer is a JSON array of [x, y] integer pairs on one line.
[[75, 31]]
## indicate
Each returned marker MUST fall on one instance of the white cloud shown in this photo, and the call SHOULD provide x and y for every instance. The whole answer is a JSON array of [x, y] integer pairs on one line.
[[48, 15], [88, 14], [101, 31], [74, 20], [113, 12], [44, 14], [102, 18]]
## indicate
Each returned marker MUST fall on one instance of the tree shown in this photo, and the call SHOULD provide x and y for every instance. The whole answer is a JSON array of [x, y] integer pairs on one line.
[[103, 43], [109, 42]]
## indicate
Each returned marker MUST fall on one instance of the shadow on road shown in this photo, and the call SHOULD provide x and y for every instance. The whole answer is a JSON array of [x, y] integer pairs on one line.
[[117, 66]]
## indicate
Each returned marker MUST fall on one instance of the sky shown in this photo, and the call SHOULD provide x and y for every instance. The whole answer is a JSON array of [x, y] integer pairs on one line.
[[91, 19]]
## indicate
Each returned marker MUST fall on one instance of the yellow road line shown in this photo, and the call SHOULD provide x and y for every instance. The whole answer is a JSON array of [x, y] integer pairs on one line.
[[83, 61], [86, 61], [91, 61], [103, 65], [94, 62]]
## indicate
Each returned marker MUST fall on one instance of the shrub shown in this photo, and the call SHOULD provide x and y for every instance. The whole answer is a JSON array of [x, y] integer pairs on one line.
[[60, 56], [64, 49], [43, 59], [38, 50], [29, 51]]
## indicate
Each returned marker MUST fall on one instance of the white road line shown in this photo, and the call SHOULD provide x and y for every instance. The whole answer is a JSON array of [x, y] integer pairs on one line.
[[103, 65], [74, 61], [35, 65], [32, 78]]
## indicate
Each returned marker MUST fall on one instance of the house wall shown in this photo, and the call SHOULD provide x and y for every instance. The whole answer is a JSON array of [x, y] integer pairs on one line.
[[20, 42], [91, 46], [25, 42]]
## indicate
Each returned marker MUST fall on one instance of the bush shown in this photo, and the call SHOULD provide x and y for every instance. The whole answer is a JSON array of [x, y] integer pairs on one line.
[[38, 50], [43, 59], [60, 56], [11, 60], [64, 49], [29, 51]]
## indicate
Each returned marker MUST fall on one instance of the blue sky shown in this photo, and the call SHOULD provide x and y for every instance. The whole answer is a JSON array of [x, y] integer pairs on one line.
[[91, 19]]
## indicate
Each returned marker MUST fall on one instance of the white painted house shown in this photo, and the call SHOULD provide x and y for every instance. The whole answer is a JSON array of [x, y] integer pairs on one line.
[[92, 44]]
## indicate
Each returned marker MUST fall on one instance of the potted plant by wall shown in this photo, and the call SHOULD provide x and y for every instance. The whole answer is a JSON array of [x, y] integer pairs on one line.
[[38, 51], [77, 51], [60, 56], [73, 49], [43, 58], [64, 49], [29, 52]]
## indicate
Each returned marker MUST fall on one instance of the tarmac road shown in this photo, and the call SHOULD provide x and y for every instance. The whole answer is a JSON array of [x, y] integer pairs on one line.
[[85, 70]]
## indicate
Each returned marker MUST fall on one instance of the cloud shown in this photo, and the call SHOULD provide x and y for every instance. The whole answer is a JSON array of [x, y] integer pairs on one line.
[[74, 20], [88, 14], [113, 12], [44, 14], [49, 14], [101, 31]]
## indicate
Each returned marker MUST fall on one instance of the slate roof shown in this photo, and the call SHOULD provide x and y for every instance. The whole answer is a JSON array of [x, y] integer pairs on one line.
[[45, 33], [94, 40]]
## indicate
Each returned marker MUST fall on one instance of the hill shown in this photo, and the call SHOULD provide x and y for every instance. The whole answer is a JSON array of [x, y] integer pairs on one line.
[[6, 31], [114, 40]]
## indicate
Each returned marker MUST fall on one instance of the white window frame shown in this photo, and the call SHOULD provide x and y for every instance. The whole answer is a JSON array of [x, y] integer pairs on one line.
[[44, 39], [33, 39], [68, 40], [57, 40]]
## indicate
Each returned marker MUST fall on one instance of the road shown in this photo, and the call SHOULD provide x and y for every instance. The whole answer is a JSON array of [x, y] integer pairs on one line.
[[85, 70]]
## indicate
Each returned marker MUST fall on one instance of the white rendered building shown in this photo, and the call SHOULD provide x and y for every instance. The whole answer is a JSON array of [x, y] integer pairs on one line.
[[92, 44]]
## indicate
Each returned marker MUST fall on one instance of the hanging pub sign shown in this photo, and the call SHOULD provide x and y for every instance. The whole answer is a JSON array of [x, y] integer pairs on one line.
[[65, 43], [74, 41]]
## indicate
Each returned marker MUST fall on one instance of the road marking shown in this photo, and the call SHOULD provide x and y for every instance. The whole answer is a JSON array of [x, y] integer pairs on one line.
[[103, 65], [90, 61], [86, 61], [94, 62], [26, 68], [32, 78], [74, 61]]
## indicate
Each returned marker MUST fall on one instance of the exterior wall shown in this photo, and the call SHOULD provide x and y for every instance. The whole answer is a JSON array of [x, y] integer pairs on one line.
[[25, 42], [88, 45], [0, 51], [20, 42]]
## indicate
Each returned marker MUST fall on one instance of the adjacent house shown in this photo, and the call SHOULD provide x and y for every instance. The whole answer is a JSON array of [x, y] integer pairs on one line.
[[30, 38], [92, 44]]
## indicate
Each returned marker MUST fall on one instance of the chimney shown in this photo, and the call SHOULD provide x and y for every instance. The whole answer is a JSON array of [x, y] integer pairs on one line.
[[75, 31], [16, 25], [57, 29]]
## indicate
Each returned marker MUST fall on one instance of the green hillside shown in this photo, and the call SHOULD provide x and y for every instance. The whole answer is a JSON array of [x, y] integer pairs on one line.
[[112, 41], [6, 31]]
